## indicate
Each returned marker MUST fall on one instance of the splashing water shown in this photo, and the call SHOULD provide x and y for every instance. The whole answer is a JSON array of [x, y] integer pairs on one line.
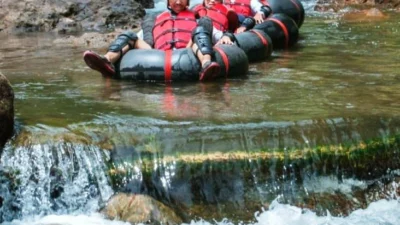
[[53, 179]]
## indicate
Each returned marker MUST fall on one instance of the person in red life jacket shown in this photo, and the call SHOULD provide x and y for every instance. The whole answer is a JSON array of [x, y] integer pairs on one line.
[[173, 29], [249, 8], [224, 20]]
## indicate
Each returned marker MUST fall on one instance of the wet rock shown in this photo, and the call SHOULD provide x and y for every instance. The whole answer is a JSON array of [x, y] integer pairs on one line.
[[146, 3], [91, 40], [6, 110], [372, 14], [337, 5], [69, 15], [68, 26], [139, 209], [338, 203], [25, 137]]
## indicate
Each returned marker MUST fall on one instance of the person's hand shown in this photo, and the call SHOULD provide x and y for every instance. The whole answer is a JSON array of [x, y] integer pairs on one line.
[[259, 17], [240, 30], [225, 40]]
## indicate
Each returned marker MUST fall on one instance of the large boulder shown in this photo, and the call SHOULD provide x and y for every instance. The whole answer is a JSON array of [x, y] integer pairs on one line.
[[68, 16], [134, 208], [6, 110]]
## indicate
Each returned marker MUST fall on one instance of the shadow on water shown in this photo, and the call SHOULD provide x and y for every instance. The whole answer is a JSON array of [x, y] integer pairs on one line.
[[316, 127]]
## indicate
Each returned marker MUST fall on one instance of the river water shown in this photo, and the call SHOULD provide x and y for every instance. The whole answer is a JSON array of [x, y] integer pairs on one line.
[[339, 84]]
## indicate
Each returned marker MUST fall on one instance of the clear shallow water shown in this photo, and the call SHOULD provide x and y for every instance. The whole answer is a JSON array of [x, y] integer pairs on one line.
[[340, 83], [339, 69]]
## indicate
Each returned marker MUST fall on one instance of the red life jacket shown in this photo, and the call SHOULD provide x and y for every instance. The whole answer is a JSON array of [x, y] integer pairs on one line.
[[242, 7], [173, 31], [217, 13]]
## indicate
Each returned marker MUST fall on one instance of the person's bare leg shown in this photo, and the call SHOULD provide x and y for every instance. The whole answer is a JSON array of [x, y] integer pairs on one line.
[[203, 58], [189, 44], [209, 69], [105, 63], [203, 50], [114, 56]]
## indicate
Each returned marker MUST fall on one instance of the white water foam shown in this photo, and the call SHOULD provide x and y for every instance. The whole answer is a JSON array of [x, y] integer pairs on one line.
[[93, 219], [384, 212], [380, 212]]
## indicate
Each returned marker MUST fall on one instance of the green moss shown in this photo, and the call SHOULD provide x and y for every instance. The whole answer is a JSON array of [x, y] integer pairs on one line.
[[362, 159]]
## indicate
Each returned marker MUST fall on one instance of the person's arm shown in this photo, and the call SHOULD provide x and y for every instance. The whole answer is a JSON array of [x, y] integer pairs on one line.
[[216, 35], [255, 6], [140, 34], [147, 28], [257, 10], [227, 38], [247, 24], [220, 37]]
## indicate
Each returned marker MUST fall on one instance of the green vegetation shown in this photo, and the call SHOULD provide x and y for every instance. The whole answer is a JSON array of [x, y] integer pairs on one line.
[[365, 160]]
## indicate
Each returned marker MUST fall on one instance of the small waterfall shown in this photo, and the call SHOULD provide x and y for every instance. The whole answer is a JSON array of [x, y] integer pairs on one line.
[[316, 164], [45, 179]]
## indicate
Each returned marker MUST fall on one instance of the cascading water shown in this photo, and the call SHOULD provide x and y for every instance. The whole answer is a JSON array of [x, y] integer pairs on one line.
[[252, 166], [52, 178]]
